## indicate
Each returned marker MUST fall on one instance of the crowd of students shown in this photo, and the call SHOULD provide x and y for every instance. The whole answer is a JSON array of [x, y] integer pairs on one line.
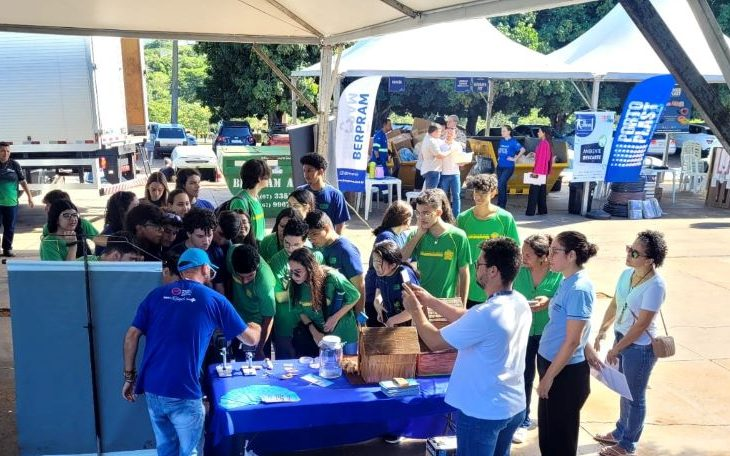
[[304, 280]]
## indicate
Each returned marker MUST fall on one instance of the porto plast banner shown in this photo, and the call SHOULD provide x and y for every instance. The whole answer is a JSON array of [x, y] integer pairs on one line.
[[642, 110], [593, 136], [352, 141]]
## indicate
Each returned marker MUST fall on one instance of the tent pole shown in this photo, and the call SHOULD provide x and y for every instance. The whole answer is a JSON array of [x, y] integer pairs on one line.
[[325, 99], [282, 77], [713, 35], [594, 107], [293, 121], [491, 88], [580, 92]]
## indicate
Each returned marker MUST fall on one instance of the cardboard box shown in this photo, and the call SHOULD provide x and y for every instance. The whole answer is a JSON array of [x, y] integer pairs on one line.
[[398, 142], [393, 133]]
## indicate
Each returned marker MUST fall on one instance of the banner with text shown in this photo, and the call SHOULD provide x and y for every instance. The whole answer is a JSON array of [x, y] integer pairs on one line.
[[352, 140], [639, 118], [593, 137]]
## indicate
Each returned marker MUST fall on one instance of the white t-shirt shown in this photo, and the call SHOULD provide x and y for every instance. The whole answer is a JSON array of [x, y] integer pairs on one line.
[[430, 147], [450, 152], [649, 295], [488, 378]]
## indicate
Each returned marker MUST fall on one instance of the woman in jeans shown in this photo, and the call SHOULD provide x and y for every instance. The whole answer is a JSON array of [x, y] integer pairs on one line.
[[640, 293], [508, 152], [538, 284], [564, 373]]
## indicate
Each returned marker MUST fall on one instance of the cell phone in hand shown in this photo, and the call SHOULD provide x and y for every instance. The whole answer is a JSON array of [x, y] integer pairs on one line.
[[405, 276], [533, 303]]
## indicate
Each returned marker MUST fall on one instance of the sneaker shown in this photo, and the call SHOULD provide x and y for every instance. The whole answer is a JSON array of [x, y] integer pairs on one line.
[[520, 435], [8, 253], [393, 439]]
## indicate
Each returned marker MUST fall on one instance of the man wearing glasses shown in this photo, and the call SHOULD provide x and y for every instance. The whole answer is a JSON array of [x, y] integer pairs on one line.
[[144, 222], [178, 320], [487, 383]]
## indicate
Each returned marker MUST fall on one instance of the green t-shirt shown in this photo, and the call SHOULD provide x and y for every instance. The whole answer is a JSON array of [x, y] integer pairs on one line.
[[53, 248], [255, 300], [548, 287], [500, 224], [269, 247], [251, 206], [89, 230], [11, 174], [439, 260], [335, 282], [90, 258], [287, 317]]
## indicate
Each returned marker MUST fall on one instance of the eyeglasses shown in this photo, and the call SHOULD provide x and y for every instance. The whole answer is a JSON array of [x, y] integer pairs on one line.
[[634, 253], [552, 250], [212, 273], [423, 214], [70, 215]]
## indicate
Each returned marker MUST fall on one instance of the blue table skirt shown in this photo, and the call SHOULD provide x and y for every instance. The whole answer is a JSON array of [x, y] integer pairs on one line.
[[339, 414]]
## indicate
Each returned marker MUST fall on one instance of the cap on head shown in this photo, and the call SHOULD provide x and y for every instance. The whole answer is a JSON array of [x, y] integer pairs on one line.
[[194, 258]]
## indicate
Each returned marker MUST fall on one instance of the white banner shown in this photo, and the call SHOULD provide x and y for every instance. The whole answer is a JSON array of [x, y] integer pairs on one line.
[[592, 146], [352, 140]]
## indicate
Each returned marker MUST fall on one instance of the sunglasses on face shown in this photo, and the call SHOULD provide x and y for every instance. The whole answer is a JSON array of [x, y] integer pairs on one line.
[[633, 252]]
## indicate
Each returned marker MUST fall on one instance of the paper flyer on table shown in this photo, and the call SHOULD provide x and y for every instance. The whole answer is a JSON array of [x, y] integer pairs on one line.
[[613, 379]]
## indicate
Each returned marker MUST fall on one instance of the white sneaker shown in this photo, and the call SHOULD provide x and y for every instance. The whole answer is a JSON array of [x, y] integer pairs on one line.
[[520, 435]]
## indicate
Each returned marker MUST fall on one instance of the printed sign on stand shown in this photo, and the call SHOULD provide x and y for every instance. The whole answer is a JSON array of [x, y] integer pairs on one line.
[[396, 84], [593, 138], [639, 118], [462, 85], [677, 113], [480, 85]]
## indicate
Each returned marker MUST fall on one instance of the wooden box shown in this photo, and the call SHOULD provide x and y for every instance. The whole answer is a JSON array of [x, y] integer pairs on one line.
[[385, 353], [441, 362]]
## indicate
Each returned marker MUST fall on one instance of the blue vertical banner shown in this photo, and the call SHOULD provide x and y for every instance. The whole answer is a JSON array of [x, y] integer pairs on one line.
[[480, 85], [396, 84], [352, 141], [642, 110], [462, 85]]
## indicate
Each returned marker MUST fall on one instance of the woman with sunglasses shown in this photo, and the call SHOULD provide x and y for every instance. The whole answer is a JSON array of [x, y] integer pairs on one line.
[[640, 293], [564, 373], [61, 242], [325, 299]]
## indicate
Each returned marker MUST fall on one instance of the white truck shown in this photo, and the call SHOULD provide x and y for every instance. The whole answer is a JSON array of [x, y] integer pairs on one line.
[[71, 102]]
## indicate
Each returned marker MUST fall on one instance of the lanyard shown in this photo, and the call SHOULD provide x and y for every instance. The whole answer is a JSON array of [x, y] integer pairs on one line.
[[501, 293]]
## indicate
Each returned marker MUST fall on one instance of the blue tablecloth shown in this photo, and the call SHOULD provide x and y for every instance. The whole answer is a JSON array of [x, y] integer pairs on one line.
[[336, 415]]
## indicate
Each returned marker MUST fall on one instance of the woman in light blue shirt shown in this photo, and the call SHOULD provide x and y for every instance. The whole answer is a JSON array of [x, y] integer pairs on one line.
[[564, 373]]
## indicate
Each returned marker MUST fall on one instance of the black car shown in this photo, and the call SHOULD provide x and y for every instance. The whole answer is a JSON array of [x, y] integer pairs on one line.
[[234, 133]]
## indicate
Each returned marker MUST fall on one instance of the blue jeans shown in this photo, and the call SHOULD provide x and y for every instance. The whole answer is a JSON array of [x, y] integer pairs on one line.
[[8, 215], [503, 177], [636, 362], [477, 437], [452, 183], [431, 179], [177, 424]]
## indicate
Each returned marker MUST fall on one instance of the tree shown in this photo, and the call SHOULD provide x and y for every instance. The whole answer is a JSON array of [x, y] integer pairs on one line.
[[238, 84]]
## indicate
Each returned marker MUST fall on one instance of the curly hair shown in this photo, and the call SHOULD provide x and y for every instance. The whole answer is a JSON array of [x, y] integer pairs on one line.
[[504, 253], [485, 183], [435, 198], [314, 160], [316, 276], [198, 218], [397, 214], [655, 245], [578, 243], [116, 210], [540, 244]]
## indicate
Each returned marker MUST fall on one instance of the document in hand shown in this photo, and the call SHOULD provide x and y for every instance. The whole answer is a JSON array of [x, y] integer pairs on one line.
[[613, 379]]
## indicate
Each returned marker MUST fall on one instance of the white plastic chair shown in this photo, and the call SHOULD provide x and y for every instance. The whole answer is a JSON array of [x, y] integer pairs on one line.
[[412, 195], [692, 172]]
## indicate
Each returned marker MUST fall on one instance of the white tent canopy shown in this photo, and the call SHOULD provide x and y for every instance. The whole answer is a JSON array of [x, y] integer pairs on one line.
[[448, 50], [616, 50], [260, 21]]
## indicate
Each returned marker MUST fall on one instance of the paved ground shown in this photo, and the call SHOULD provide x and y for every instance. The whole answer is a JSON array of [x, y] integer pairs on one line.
[[688, 397]]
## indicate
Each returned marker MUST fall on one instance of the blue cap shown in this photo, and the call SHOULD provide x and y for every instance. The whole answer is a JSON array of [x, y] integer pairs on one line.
[[193, 258]]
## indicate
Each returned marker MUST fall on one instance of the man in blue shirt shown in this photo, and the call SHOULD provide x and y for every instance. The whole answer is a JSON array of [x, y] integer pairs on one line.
[[329, 199], [487, 383], [177, 321], [339, 252], [380, 138]]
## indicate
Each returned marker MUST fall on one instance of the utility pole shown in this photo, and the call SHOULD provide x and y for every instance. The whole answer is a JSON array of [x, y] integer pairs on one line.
[[173, 84]]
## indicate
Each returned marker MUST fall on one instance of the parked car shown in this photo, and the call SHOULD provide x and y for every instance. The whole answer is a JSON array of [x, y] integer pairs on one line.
[[659, 143], [192, 140], [698, 133], [168, 137], [233, 133], [278, 135], [201, 158]]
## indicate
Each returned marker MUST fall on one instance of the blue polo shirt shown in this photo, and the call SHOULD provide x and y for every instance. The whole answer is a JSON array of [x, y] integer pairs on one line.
[[330, 201], [573, 301], [343, 256], [178, 321], [204, 204], [507, 149]]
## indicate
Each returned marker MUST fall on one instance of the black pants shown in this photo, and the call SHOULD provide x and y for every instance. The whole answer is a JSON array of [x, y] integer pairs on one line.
[[418, 184], [8, 214], [533, 343], [559, 415], [537, 197]]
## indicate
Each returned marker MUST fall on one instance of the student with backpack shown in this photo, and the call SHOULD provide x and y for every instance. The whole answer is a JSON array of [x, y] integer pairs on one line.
[[255, 175]]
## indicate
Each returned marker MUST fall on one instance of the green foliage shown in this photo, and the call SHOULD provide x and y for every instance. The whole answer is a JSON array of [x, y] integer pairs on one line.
[[238, 84]]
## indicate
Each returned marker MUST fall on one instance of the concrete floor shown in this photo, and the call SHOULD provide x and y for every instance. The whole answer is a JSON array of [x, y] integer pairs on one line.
[[688, 394]]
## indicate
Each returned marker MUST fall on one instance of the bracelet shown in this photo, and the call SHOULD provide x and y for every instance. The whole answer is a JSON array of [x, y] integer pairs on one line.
[[130, 375], [72, 243]]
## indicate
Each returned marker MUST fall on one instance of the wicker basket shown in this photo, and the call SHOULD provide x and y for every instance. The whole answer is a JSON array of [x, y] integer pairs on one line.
[[385, 353], [432, 363]]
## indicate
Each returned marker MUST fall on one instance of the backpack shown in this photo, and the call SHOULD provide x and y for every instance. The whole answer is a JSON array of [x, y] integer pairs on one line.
[[226, 206]]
